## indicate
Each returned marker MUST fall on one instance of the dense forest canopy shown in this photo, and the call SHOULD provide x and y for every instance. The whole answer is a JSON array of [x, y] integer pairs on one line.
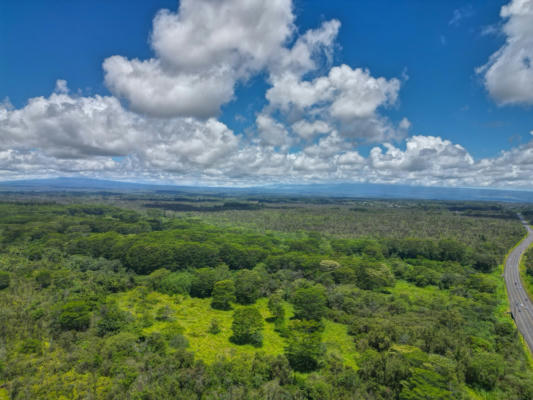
[[285, 300]]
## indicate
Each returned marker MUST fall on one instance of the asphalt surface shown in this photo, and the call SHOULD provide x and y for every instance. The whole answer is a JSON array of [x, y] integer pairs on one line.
[[521, 307]]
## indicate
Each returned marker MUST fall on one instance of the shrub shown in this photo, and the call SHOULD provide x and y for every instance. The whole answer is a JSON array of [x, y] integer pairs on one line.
[[112, 319], [74, 315], [214, 328], [247, 326], [44, 278], [5, 280]]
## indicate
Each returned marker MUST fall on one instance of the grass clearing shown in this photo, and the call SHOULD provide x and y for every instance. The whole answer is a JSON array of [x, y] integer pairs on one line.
[[195, 315]]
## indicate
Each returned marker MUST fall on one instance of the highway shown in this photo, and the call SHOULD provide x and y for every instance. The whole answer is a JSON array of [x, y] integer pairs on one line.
[[521, 307]]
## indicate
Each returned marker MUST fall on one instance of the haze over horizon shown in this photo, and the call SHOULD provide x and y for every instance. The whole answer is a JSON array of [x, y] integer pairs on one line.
[[252, 92]]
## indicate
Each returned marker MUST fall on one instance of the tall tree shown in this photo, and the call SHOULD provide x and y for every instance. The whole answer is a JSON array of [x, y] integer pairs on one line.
[[247, 326], [309, 303], [223, 295], [304, 348]]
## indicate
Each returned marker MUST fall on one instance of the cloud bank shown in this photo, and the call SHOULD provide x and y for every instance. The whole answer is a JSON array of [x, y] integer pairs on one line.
[[161, 121]]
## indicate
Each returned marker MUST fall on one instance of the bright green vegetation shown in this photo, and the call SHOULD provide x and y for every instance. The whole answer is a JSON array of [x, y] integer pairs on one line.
[[526, 271], [526, 263], [468, 222], [99, 302]]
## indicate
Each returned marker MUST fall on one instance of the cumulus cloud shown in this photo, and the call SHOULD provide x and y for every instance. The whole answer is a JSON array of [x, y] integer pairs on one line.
[[271, 131], [91, 130], [65, 126], [424, 157], [154, 90], [349, 93], [345, 98], [508, 75], [201, 52], [308, 130]]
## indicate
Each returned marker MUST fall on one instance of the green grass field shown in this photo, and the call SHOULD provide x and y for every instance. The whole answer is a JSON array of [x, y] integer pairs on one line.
[[195, 315]]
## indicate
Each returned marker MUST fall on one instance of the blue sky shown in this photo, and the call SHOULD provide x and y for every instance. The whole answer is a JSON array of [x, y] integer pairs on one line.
[[428, 52]]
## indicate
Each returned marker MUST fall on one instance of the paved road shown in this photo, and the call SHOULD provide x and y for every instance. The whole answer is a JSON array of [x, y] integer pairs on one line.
[[521, 307]]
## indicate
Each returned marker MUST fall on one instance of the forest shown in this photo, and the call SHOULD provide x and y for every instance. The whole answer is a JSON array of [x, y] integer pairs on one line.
[[292, 299]]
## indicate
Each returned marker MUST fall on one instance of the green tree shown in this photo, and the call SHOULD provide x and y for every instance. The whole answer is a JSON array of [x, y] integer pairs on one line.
[[374, 275], [204, 279], [247, 286], [176, 283], [44, 278], [112, 319], [247, 326], [304, 347], [485, 262], [203, 282], [223, 295], [484, 369], [275, 306], [74, 315], [4, 280], [309, 303]]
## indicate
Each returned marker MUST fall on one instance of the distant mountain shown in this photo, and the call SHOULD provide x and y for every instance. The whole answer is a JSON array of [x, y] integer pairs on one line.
[[351, 190], [80, 184], [383, 191]]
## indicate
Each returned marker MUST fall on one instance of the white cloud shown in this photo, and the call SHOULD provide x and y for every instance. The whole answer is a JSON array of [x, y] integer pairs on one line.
[[70, 127], [348, 98], [358, 95], [308, 130], [426, 154], [90, 130], [202, 51], [460, 14], [508, 75], [68, 135], [348, 93], [305, 54], [152, 90], [61, 86], [271, 131], [316, 113]]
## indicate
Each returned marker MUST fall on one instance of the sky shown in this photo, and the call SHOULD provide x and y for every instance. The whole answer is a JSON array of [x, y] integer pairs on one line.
[[252, 92]]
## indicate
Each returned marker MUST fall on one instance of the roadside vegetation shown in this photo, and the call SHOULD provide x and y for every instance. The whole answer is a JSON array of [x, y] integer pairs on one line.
[[526, 271], [101, 302]]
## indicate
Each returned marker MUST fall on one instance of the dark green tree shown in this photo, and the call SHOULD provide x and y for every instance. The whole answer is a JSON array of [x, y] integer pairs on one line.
[[44, 278], [204, 279], [485, 262], [74, 315], [275, 306], [484, 369], [247, 326], [223, 295], [248, 286], [112, 319], [304, 347], [309, 303], [203, 282], [4, 280]]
